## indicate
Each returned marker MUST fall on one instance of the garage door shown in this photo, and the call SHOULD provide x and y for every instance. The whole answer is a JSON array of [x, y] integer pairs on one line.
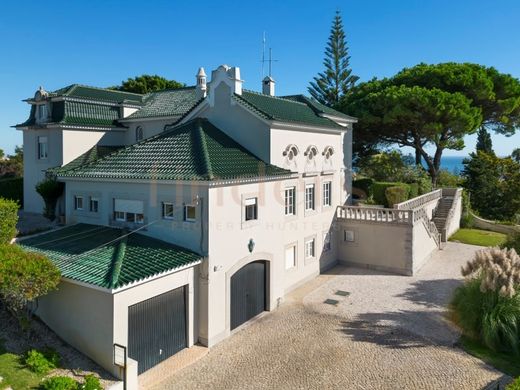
[[248, 292], [157, 328]]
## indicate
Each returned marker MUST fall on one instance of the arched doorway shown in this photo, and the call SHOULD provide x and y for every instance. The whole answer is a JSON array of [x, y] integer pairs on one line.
[[248, 292]]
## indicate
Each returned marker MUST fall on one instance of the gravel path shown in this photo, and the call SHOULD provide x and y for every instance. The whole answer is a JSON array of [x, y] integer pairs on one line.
[[389, 333]]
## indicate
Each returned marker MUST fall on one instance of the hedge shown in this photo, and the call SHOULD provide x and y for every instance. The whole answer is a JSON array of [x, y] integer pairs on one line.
[[12, 188], [379, 191], [397, 194], [8, 220], [364, 184]]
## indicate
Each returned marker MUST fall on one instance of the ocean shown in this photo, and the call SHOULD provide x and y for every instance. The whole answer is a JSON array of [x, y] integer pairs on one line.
[[452, 164]]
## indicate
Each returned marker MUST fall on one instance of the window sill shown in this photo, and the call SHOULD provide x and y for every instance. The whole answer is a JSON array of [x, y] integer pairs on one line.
[[327, 172], [310, 174]]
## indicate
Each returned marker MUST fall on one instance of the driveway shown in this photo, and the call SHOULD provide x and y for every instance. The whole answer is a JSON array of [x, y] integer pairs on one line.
[[389, 332]]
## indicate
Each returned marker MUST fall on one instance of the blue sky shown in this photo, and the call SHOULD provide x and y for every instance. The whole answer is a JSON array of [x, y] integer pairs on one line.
[[100, 43]]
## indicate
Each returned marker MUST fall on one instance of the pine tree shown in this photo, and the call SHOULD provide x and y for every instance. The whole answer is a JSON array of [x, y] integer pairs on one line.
[[516, 155], [329, 86], [484, 143]]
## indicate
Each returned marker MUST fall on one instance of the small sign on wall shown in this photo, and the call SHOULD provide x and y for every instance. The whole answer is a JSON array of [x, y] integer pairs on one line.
[[119, 355]]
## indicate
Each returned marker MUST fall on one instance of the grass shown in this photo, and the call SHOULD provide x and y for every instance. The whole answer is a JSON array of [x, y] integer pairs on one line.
[[14, 373], [508, 364], [479, 237]]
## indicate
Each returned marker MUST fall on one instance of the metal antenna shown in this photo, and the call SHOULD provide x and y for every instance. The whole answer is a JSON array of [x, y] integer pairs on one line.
[[271, 61], [263, 55]]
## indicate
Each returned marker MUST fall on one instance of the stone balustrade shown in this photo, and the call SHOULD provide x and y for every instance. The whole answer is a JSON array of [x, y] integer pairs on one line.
[[419, 201], [371, 214]]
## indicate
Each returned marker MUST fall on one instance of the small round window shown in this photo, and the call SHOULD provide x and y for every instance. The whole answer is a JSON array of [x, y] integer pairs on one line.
[[139, 134]]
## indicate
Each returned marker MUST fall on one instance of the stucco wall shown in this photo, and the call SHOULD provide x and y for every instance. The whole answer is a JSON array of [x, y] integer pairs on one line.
[[423, 246], [381, 246], [454, 224], [83, 318]]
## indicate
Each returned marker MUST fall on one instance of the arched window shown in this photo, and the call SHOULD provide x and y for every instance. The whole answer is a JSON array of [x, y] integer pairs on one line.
[[290, 152], [139, 134], [328, 152], [311, 152]]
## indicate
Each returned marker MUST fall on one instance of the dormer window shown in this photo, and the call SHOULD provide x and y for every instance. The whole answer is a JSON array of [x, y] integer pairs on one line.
[[41, 113], [139, 134]]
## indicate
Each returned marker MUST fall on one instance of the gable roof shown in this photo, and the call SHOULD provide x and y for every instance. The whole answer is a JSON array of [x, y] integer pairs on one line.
[[318, 107], [90, 156], [195, 150], [108, 257], [98, 94], [284, 110]]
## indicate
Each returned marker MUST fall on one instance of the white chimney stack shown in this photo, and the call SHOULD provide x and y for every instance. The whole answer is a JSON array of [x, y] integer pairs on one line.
[[201, 87], [268, 86]]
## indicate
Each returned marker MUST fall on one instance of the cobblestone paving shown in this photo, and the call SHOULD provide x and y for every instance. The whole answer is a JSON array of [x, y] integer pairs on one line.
[[389, 333]]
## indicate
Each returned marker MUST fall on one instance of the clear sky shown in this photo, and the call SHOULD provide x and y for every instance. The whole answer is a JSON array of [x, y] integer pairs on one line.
[[100, 43]]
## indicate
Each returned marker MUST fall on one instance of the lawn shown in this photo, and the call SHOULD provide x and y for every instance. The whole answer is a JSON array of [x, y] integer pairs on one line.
[[14, 373], [506, 363], [479, 237]]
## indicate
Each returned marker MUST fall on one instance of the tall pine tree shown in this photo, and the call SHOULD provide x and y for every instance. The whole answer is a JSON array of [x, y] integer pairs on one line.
[[329, 86], [484, 143]]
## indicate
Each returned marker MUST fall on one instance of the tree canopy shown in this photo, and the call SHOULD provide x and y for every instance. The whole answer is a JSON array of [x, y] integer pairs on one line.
[[337, 79], [12, 166], [147, 83], [433, 105], [484, 142]]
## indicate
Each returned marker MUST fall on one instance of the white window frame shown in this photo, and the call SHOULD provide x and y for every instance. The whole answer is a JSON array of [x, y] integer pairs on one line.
[[251, 204], [310, 243], [91, 200], [294, 248], [185, 214], [310, 197], [43, 148], [290, 201], [167, 215], [327, 243], [76, 202], [139, 218], [349, 236], [42, 112], [120, 216], [327, 194]]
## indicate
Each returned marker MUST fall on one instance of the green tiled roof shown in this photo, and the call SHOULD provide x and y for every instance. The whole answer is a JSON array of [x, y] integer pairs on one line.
[[98, 94], [196, 150], [175, 102], [284, 110], [108, 257], [85, 114], [317, 106], [88, 157]]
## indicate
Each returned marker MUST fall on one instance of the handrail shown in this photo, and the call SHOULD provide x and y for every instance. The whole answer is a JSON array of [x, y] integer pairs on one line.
[[457, 192], [419, 201], [371, 214], [431, 228]]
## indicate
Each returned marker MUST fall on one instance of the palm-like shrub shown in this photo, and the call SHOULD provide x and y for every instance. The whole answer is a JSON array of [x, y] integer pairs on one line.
[[50, 190], [487, 306]]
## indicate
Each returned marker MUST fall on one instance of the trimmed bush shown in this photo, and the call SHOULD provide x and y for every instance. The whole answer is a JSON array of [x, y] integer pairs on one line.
[[513, 242], [8, 220], [379, 191], [397, 194], [42, 362], [414, 190], [12, 189], [91, 383], [59, 383], [364, 185], [50, 190], [515, 385]]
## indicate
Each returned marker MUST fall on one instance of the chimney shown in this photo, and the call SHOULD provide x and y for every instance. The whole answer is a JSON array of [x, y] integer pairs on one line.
[[268, 86], [234, 75], [201, 87]]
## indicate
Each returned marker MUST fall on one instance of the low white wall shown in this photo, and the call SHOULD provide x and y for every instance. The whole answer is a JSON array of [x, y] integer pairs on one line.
[[423, 246], [454, 224], [485, 224]]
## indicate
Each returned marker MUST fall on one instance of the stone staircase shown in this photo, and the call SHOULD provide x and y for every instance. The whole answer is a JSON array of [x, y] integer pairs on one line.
[[441, 214]]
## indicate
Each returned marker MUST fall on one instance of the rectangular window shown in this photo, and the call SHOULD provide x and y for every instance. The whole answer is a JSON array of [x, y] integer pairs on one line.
[[43, 146], [327, 199], [78, 202], [119, 216], [167, 210], [94, 205], [251, 209], [310, 248], [309, 197], [189, 213], [290, 201], [290, 257], [326, 242], [42, 112], [139, 218], [129, 211], [348, 236]]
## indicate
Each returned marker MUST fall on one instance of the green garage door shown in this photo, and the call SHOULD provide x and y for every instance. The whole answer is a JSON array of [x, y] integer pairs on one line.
[[157, 328], [248, 292]]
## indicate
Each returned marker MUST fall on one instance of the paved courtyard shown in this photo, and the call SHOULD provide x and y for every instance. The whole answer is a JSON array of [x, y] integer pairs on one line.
[[390, 332]]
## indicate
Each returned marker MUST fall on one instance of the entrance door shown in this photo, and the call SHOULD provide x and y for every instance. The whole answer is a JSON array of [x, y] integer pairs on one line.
[[248, 292]]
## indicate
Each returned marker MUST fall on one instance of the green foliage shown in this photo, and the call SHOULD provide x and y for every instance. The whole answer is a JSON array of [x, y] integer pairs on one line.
[[91, 383], [379, 191], [12, 166], [329, 86], [413, 190], [515, 155], [487, 316], [8, 220], [446, 179], [504, 362], [484, 142], [397, 194], [494, 185], [364, 185], [148, 83], [59, 383], [24, 276], [479, 237], [515, 385], [50, 190], [42, 362], [513, 241], [12, 188]]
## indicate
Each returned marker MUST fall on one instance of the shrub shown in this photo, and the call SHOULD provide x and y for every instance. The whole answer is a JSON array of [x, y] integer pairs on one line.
[[397, 194], [487, 306], [24, 276], [59, 383], [513, 242], [50, 190], [91, 383], [8, 220], [42, 363], [12, 189], [379, 191], [414, 190], [364, 185], [515, 385]]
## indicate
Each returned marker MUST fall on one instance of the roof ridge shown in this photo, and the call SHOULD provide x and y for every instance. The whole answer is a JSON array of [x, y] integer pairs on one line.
[[274, 97], [118, 257], [170, 90], [201, 137]]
